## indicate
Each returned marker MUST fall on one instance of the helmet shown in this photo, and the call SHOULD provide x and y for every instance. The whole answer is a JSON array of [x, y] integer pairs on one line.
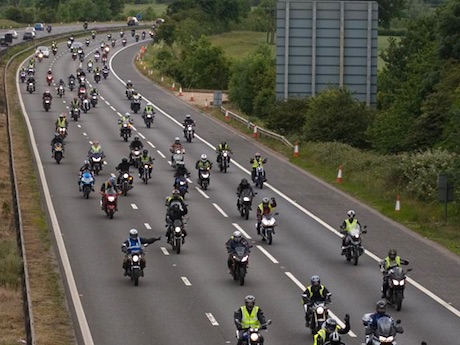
[[330, 325], [257, 155], [133, 233], [127, 114], [47, 92], [136, 139], [188, 116], [351, 214], [249, 301], [237, 235], [124, 160], [175, 192], [86, 162], [149, 104], [145, 152], [62, 115], [176, 139], [204, 157], [75, 99], [223, 143], [244, 182], [95, 142], [265, 200], [392, 254], [129, 82], [112, 180], [381, 307], [315, 280]]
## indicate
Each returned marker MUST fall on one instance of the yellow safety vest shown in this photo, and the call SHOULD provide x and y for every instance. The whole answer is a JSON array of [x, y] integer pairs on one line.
[[250, 320], [61, 123], [388, 262], [95, 149], [350, 225], [256, 162]]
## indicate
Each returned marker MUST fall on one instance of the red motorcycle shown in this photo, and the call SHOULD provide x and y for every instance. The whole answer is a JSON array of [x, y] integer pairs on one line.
[[49, 79], [109, 203]]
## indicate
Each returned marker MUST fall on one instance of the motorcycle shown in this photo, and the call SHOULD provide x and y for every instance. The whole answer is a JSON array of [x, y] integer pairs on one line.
[[69, 43], [85, 26], [176, 237], [240, 264], [49, 79], [81, 91], [396, 285], [94, 100], [93, 35], [49, 28], [353, 248], [245, 203], [137, 38], [252, 336], [267, 227], [89, 67], [85, 105], [62, 132], [134, 269], [204, 177], [58, 152], [136, 105], [86, 184], [75, 113], [96, 161], [122, 34], [125, 131], [123, 42], [71, 84], [31, 71], [30, 87], [54, 50], [224, 160], [97, 77], [260, 176], [61, 91], [47, 104], [385, 333], [143, 35], [135, 157], [22, 76], [87, 42], [126, 183], [97, 56], [189, 133], [129, 93], [113, 43], [181, 184], [178, 156], [74, 56], [105, 73], [145, 175], [148, 119], [319, 314], [110, 204], [40, 57], [104, 59], [133, 32]]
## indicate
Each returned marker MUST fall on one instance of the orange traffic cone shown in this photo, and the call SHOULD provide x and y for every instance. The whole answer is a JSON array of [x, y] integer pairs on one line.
[[254, 133], [296, 149], [162, 78], [180, 91], [398, 203], [173, 87], [227, 116], [191, 98], [339, 174]]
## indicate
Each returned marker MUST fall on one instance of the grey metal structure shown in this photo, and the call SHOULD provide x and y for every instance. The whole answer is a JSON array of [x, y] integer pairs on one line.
[[326, 42]]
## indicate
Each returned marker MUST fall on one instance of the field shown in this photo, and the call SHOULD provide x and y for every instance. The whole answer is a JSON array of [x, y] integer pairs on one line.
[[159, 9]]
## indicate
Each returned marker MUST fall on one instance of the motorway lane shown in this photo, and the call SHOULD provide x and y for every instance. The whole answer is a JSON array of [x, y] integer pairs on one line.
[[103, 289]]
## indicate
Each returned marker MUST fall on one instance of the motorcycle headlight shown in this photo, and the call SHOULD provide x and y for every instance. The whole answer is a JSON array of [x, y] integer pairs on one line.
[[111, 198], [125, 125], [245, 258], [254, 337], [135, 258], [125, 175], [177, 229], [395, 282], [402, 282], [246, 198], [146, 166], [319, 310], [225, 154], [356, 236], [149, 116], [383, 339]]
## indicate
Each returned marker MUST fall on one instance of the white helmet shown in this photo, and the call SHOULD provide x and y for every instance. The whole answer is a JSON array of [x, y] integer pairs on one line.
[[237, 235], [133, 233], [127, 114], [351, 214], [204, 157], [149, 104]]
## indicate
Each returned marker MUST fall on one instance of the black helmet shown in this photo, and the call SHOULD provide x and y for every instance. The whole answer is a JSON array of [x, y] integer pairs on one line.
[[315, 280], [136, 139], [330, 325], [244, 182], [145, 152], [223, 143], [392, 254], [124, 160], [249, 301], [381, 307]]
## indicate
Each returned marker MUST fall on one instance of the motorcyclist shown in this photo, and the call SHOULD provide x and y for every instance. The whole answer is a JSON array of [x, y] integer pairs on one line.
[[328, 327], [249, 316], [181, 170], [53, 44], [75, 103], [148, 110], [61, 122], [105, 69], [96, 70], [146, 159], [134, 244], [244, 184], [47, 95], [188, 121], [49, 74], [32, 62], [177, 145], [89, 64], [135, 97], [255, 163], [371, 327], [93, 33], [136, 144], [266, 207], [174, 210], [71, 77], [86, 167], [221, 147], [31, 79], [348, 225], [129, 84], [203, 163], [93, 91], [236, 240], [109, 187], [57, 139], [61, 82], [122, 168], [315, 292], [391, 261], [95, 149], [125, 119]]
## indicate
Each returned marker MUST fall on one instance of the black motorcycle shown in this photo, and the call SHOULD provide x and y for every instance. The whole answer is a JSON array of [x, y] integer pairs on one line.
[[145, 172], [204, 176], [224, 160], [75, 113], [148, 119], [176, 236], [245, 203], [125, 131], [181, 184], [126, 183], [58, 152], [385, 333], [319, 313], [396, 285], [353, 247], [240, 264], [96, 161], [136, 105]]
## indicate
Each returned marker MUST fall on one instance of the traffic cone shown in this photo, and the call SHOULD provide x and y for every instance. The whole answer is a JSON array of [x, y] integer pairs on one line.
[[162, 78], [296, 149], [173, 87], [398, 203], [180, 91], [206, 104], [227, 116], [191, 98], [254, 133], [339, 174]]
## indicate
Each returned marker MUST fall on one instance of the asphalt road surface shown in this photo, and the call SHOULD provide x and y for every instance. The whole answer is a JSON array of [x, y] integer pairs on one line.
[[190, 297]]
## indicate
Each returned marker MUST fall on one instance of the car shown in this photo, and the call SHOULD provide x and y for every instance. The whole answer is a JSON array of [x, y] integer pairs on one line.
[[39, 26], [28, 35], [76, 45], [3, 42], [133, 21], [13, 33], [45, 50]]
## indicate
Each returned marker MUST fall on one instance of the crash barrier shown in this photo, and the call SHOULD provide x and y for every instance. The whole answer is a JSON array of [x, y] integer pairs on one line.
[[5, 109]]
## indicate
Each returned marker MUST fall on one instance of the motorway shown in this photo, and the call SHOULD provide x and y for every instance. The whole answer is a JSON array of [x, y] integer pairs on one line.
[[190, 298]]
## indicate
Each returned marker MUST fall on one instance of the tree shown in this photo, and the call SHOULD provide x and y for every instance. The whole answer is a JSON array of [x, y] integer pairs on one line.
[[449, 30], [389, 9], [266, 11], [288, 117]]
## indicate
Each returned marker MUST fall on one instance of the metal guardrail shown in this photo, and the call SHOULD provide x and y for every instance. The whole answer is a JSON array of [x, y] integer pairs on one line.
[[258, 129]]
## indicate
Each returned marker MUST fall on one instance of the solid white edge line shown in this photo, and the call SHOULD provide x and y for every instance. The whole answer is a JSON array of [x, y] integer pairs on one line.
[[242, 231], [267, 254], [202, 193], [220, 210], [68, 273], [289, 200], [212, 319], [186, 281]]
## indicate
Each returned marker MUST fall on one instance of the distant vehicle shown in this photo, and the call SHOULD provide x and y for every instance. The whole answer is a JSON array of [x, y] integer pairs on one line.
[[28, 35], [39, 26], [3, 42], [30, 28], [132, 21], [77, 45], [13, 33], [45, 50], [159, 21]]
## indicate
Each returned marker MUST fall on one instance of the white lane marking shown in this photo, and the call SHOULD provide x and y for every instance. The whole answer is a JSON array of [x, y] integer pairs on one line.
[[134, 128], [186, 281], [242, 231], [302, 287], [113, 108], [189, 181], [220, 210], [140, 134], [84, 134], [162, 155], [107, 103], [79, 126], [119, 114], [147, 226], [212, 319], [267, 254], [202, 193], [113, 175], [134, 206], [293, 202], [164, 250], [105, 163], [148, 142], [102, 98]]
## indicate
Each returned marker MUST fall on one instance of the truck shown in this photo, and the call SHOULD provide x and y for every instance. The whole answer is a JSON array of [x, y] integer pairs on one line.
[[132, 21]]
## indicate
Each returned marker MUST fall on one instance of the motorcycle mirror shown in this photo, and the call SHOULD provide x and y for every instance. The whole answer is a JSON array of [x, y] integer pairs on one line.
[[276, 213], [364, 226], [398, 322], [409, 269], [364, 231], [269, 322]]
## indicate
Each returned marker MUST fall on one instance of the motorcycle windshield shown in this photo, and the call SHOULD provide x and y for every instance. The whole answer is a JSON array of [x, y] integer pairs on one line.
[[240, 251], [397, 273], [356, 231], [177, 156], [246, 193], [385, 327], [111, 191]]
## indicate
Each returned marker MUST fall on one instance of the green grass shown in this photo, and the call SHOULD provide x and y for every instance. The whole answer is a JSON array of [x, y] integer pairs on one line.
[[159, 9], [238, 44], [7, 24]]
